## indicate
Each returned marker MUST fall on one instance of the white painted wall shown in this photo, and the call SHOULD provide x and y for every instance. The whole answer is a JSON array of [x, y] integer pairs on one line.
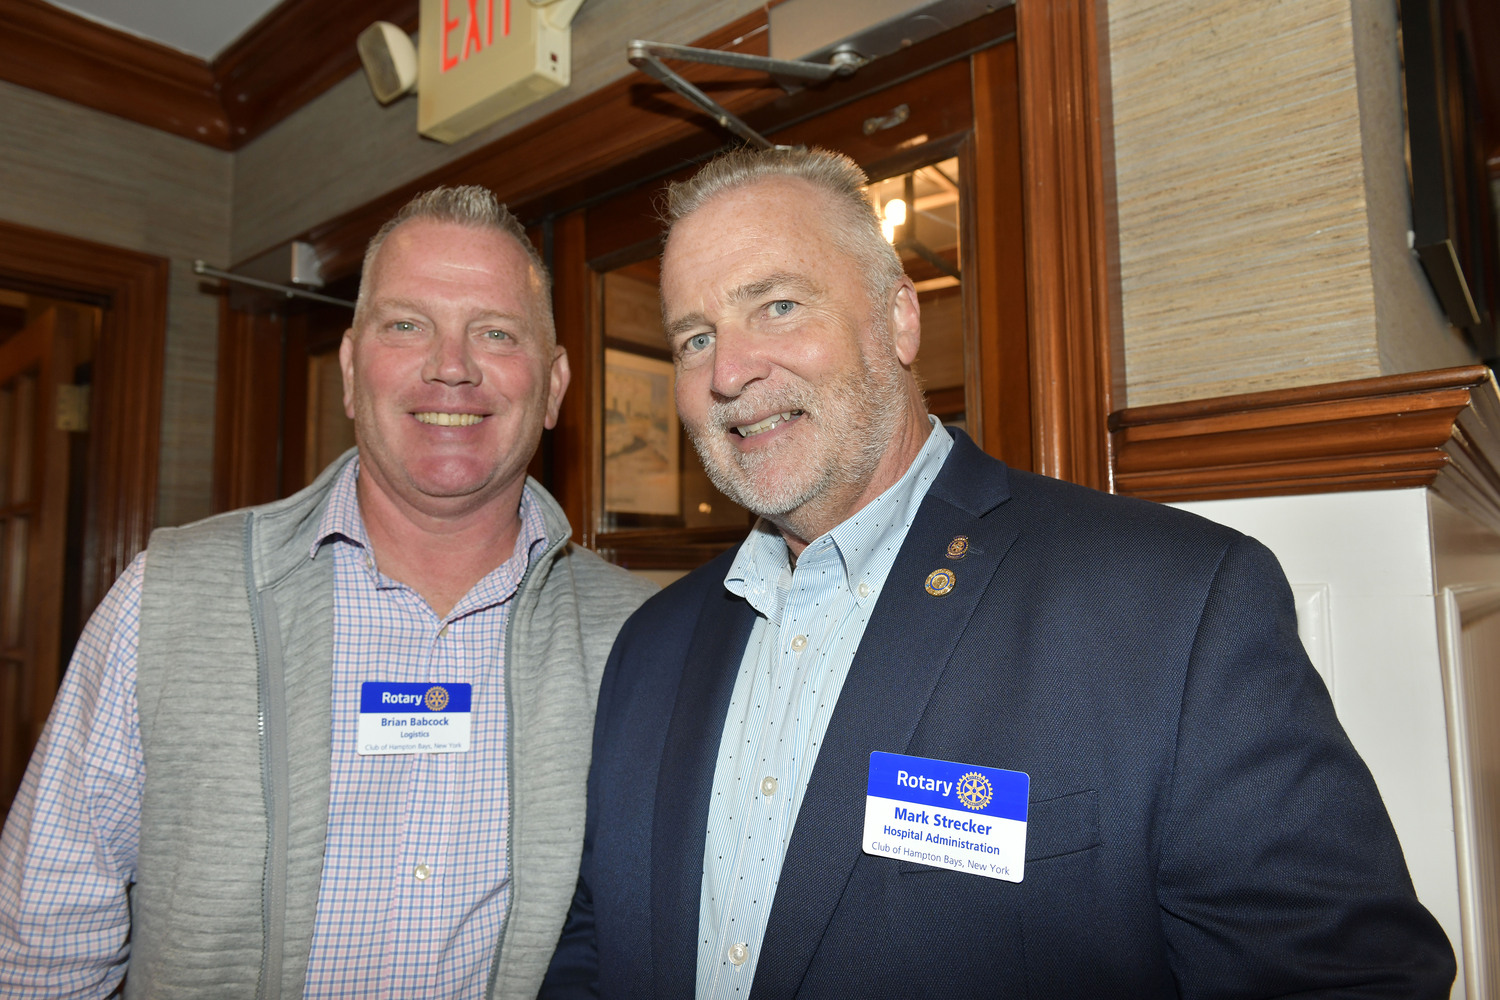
[[1362, 568]]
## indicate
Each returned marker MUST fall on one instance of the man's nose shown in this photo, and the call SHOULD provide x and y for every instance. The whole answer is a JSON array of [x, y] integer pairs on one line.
[[450, 360], [740, 358]]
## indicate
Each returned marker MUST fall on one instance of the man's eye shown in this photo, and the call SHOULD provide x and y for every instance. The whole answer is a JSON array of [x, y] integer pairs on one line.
[[403, 326], [698, 342], [781, 307], [496, 335]]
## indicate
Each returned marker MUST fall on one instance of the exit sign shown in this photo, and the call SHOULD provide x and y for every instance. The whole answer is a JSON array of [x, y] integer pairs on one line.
[[481, 60]]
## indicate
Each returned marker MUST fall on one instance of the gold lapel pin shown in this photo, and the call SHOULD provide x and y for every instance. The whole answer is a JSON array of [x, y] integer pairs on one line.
[[940, 582], [959, 547]]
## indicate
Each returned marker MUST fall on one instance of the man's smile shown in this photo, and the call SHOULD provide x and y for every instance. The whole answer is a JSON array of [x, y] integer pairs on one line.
[[769, 423], [449, 419]]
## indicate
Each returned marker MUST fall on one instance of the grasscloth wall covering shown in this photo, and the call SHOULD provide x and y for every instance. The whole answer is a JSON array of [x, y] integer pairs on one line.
[[70, 170], [1245, 227]]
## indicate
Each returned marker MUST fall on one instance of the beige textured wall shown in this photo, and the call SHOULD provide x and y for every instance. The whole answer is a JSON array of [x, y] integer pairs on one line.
[[70, 170], [344, 149], [1256, 250]]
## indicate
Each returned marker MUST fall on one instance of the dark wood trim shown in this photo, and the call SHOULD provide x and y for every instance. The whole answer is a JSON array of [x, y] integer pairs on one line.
[[246, 466], [1378, 433], [1072, 296], [576, 458], [125, 443], [292, 55], [998, 375], [57, 52]]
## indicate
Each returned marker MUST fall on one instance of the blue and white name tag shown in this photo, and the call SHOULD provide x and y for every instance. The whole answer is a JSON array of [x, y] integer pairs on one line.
[[962, 817], [413, 718]]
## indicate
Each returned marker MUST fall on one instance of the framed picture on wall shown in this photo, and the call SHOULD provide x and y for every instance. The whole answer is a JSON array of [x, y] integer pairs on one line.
[[1453, 215], [641, 471]]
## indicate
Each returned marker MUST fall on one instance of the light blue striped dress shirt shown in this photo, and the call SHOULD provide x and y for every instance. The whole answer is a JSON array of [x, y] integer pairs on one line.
[[810, 621]]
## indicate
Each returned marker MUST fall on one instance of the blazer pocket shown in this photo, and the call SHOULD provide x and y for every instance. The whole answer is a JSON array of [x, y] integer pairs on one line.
[[1065, 824], [1055, 827]]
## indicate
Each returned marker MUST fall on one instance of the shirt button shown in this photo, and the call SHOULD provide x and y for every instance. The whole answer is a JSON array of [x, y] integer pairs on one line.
[[768, 786], [739, 952], [421, 872], [799, 643], [443, 631], [369, 562], [864, 589]]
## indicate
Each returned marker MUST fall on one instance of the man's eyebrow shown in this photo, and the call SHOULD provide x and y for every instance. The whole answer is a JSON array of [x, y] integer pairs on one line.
[[479, 316], [767, 285], [748, 292]]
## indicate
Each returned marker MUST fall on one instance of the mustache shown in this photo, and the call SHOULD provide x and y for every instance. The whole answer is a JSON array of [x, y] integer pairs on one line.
[[743, 410]]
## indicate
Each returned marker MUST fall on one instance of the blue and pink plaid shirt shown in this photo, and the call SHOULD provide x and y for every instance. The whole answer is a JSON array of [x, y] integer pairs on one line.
[[415, 884]]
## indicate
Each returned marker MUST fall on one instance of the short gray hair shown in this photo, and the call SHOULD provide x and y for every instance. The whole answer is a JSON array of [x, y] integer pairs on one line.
[[857, 230], [467, 205]]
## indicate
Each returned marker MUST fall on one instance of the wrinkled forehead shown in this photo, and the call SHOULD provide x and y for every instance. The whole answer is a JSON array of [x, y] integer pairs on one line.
[[460, 260], [779, 230]]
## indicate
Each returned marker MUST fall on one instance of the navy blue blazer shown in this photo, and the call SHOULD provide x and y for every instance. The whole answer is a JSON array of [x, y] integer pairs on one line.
[[1199, 824]]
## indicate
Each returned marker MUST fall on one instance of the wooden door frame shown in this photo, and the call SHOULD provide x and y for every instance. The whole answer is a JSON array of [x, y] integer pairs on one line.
[[125, 405]]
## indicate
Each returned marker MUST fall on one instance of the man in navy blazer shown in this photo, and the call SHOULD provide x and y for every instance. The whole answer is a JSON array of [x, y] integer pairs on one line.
[[1196, 822]]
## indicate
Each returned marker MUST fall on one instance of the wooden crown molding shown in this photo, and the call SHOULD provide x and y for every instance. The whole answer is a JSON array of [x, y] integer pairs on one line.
[[1439, 428], [293, 54], [60, 53]]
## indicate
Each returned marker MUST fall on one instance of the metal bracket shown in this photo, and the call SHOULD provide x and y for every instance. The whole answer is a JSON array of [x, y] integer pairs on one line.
[[290, 291], [647, 57]]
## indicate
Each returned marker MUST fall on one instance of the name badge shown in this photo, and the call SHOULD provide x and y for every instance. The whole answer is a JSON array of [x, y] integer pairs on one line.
[[962, 817], [413, 718]]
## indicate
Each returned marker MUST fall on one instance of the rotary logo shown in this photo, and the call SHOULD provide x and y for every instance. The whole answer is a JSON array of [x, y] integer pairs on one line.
[[940, 582], [437, 700], [975, 790]]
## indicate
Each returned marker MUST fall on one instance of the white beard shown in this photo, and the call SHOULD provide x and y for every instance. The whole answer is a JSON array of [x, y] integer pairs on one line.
[[852, 420]]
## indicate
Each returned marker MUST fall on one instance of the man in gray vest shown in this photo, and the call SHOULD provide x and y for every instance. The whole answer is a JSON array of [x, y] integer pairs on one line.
[[336, 745]]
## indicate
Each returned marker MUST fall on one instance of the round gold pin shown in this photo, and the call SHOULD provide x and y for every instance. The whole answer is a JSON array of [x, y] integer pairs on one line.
[[940, 582], [959, 547]]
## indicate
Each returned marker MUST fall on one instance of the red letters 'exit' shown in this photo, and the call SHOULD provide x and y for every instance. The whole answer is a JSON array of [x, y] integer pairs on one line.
[[471, 40]]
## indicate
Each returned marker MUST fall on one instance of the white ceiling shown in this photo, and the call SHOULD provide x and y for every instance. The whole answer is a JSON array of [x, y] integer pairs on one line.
[[202, 28]]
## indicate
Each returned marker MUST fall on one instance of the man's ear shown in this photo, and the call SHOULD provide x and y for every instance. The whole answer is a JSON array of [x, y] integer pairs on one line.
[[561, 375], [346, 365], [906, 322]]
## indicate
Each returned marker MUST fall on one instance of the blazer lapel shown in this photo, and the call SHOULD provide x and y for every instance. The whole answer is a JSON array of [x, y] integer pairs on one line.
[[906, 646], [685, 786]]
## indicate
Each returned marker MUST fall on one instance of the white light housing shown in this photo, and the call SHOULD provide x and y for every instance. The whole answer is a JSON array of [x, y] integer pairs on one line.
[[390, 60]]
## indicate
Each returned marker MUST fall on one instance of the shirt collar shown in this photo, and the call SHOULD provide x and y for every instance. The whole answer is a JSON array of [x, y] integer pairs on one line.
[[341, 521], [863, 546], [341, 518]]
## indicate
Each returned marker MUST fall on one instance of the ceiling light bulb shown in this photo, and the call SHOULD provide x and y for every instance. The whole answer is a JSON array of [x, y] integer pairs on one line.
[[895, 211], [889, 229]]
